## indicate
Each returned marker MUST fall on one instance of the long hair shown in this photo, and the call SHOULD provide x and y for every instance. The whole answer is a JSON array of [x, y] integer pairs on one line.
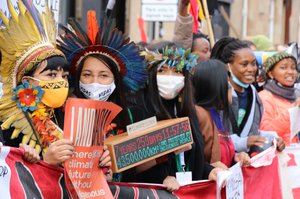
[[225, 49], [210, 83], [116, 97], [185, 108]]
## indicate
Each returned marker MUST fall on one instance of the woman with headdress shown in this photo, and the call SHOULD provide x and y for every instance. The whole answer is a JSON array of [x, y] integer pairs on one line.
[[107, 65], [279, 95], [34, 83], [169, 95]]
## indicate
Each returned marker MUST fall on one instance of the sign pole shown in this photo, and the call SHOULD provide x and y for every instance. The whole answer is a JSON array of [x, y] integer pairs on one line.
[[210, 31]]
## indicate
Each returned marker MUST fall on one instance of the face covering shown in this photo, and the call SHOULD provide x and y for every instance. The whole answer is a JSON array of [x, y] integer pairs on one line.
[[236, 80], [55, 92], [97, 91], [169, 86]]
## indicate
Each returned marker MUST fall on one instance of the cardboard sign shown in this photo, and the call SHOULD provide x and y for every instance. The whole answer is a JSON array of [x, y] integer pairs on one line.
[[165, 137], [86, 123]]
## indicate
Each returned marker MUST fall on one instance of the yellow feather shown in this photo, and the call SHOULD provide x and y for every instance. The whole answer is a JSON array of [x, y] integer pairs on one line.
[[38, 148], [7, 105], [12, 11], [27, 130], [21, 124], [26, 138], [32, 143], [17, 132], [22, 8], [4, 18], [6, 124]]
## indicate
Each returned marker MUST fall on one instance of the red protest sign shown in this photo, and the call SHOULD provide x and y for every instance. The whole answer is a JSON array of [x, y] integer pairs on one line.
[[86, 122]]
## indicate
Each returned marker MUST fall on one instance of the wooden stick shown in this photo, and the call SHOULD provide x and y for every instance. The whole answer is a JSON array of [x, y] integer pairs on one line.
[[226, 17], [210, 31]]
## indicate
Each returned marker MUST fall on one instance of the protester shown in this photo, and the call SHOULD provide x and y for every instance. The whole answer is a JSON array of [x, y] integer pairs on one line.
[[279, 95], [201, 46], [250, 44], [34, 75], [105, 69], [210, 81], [169, 95], [30, 63], [183, 31], [246, 109]]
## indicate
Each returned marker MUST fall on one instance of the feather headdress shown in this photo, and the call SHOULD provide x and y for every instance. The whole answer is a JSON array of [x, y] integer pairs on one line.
[[108, 41], [26, 39], [177, 57]]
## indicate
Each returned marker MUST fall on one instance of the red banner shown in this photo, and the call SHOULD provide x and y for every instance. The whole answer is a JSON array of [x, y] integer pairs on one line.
[[20, 179]]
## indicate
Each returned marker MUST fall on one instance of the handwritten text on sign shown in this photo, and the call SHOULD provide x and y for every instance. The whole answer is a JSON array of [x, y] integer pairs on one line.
[[235, 182], [157, 142]]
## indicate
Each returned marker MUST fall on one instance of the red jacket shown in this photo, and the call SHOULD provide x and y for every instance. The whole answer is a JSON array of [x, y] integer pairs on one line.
[[276, 116]]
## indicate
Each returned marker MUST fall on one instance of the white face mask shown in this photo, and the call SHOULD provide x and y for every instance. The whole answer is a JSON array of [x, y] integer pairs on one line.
[[169, 86], [97, 91]]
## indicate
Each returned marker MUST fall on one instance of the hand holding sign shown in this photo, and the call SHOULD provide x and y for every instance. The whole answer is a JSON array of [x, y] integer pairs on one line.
[[86, 123]]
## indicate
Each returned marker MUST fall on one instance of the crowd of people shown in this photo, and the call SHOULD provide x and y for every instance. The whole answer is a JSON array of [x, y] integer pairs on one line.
[[213, 87]]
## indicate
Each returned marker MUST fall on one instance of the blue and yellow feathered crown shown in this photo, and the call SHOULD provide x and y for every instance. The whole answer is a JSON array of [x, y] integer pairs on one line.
[[176, 57], [108, 41]]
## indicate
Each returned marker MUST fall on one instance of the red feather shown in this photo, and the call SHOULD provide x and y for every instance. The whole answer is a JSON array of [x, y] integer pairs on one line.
[[92, 25]]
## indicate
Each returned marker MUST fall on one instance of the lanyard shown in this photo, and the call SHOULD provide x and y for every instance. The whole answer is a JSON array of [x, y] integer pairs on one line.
[[180, 163]]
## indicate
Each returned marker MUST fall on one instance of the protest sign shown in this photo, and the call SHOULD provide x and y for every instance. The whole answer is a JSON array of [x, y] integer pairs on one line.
[[39, 4], [294, 121], [165, 137], [235, 183], [86, 122]]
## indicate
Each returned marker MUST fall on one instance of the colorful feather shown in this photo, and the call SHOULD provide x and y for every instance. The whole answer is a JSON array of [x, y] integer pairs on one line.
[[177, 57], [92, 25], [109, 42], [35, 16]]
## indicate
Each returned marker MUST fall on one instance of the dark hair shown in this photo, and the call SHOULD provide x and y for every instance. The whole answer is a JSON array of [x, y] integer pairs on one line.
[[53, 63], [197, 36], [225, 49], [142, 45], [0, 57], [211, 85], [249, 43], [185, 108], [117, 97]]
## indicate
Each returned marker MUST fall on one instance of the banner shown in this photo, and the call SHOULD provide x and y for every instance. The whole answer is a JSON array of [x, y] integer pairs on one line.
[[293, 170], [20, 179], [202, 189], [86, 124]]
